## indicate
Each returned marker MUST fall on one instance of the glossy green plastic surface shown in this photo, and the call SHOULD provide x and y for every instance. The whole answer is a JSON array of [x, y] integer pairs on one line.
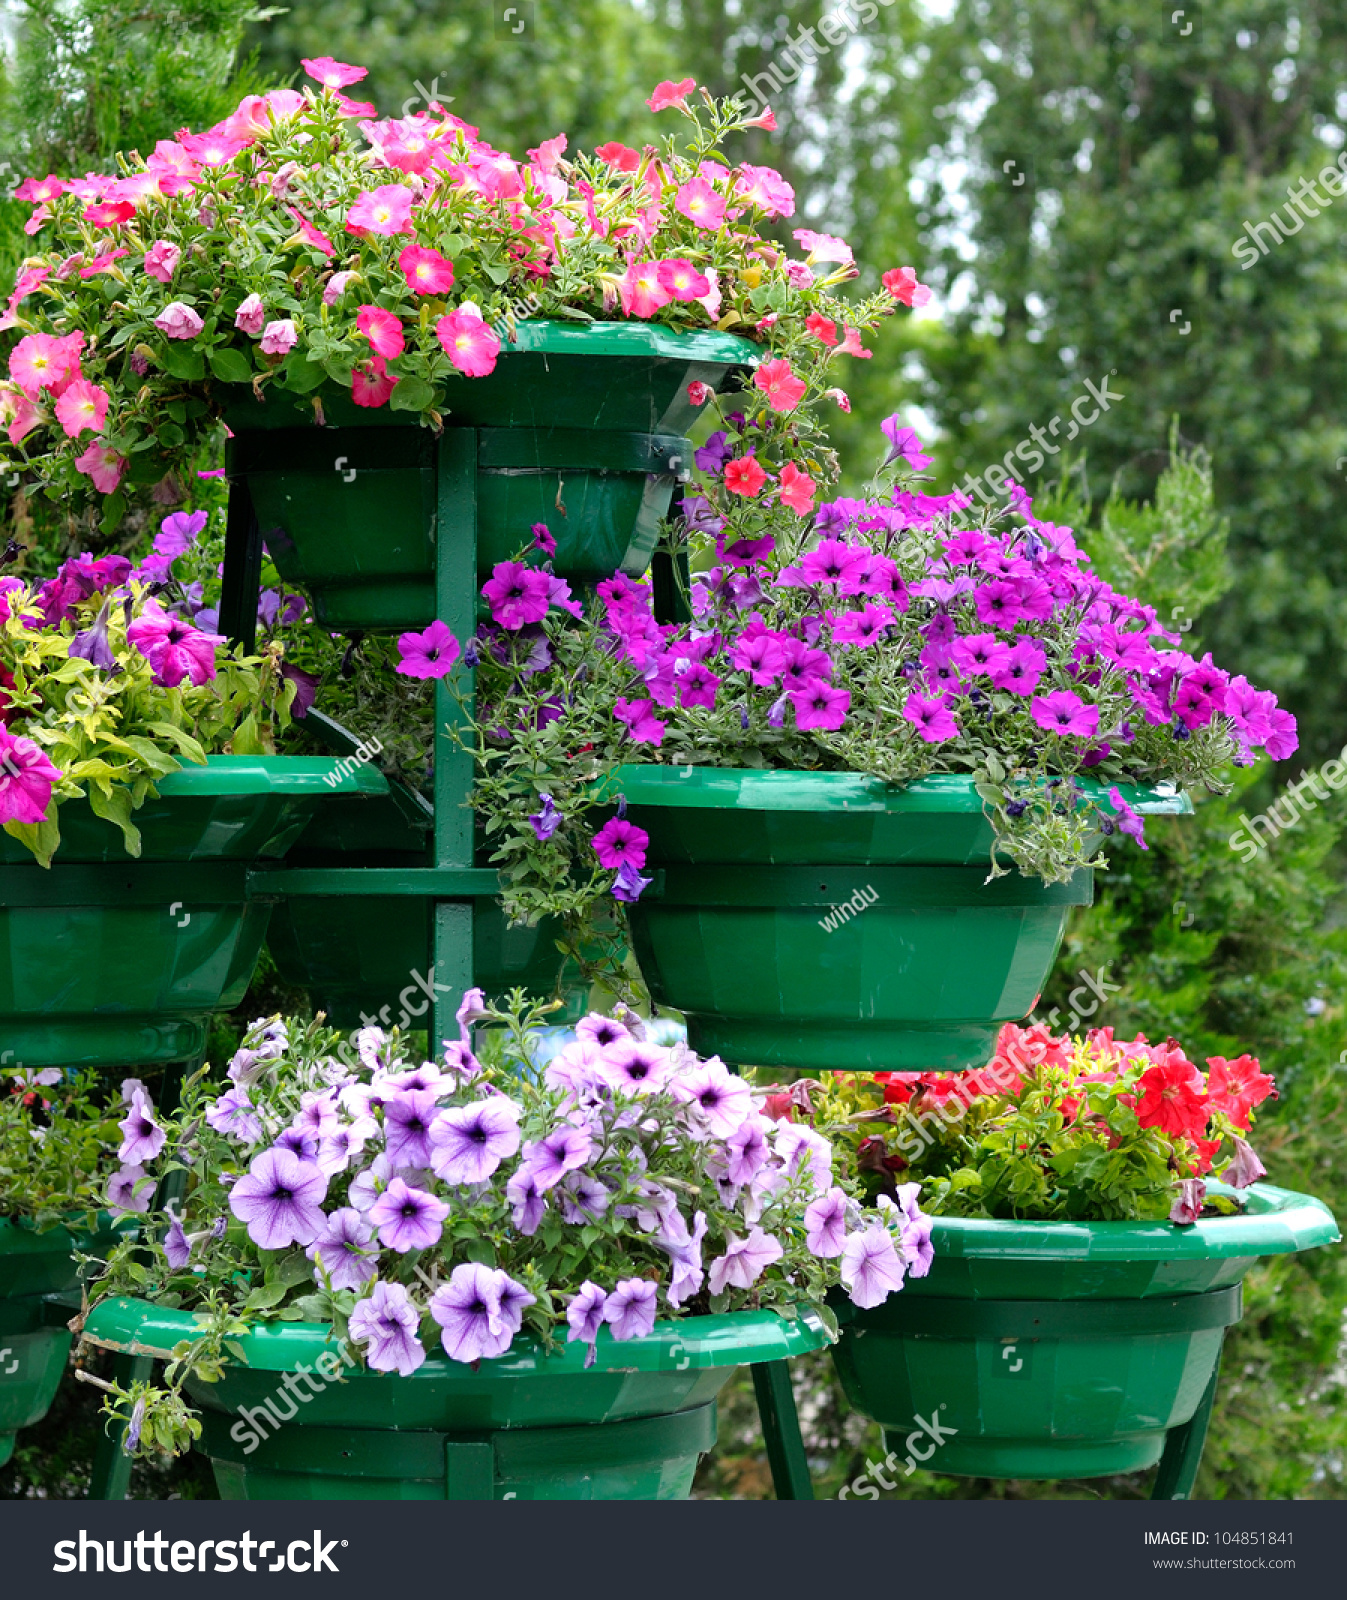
[[528, 1424], [830, 921], [1057, 1350], [350, 514], [93, 971], [34, 1342]]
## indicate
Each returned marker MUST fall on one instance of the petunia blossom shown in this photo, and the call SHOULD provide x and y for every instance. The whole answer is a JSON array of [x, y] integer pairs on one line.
[[386, 1323], [386, 210], [383, 329], [872, 1269], [27, 778], [142, 1137], [825, 1221], [407, 1218], [744, 1261], [430, 654], [178, 321], [82, 408], [344, 1250], [778, 382], [630, 1309], [668, 94], [479, 1312], [280, 1200], [469, 342], [468, 1143]]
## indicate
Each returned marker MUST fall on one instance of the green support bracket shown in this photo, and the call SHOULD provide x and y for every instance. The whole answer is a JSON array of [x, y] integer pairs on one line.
[[469, 1470], [242, 569], [781, 1430], [1177, 1472]]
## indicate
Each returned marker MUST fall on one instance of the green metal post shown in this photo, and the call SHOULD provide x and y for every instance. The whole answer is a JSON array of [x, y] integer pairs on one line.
[[1177, 1472], [781, 1430], [456, 606]]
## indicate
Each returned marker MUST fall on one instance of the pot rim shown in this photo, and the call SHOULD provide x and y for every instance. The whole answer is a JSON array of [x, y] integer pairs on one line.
[[262, 775]]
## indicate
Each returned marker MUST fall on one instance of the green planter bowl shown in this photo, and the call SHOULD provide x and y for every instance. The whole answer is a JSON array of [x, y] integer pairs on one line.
[[829, 920], [356, 954], [1062, 1349], [109, 961], [34, 1338], [526, 1426], [581, 427]]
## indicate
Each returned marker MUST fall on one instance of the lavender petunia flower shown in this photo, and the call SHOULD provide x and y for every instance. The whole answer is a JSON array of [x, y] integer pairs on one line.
[[562, 1151], [685, 1257], [386, 1323], [336, 1149], [634, 1067], [280, 1200], [799, 1146], [369, 1184], [629, 885], [526, 1197], [1187, 1207], [745, 1150], [479, 1312], [407, 1119], [177, 1246], [143, 1138], [744, 1261], [871, 1267], [1246, 1168], [299, 1142], [318, 1113], [630, 1309], [129, 1191], [132, 1441], [584, 1318], [407, 1218], [468, 1143], [344, 1250], [583, 1198], [717, 1101], [472, 1010], [600, 1030], [92, 644], [825, 1221], [232, 1114]]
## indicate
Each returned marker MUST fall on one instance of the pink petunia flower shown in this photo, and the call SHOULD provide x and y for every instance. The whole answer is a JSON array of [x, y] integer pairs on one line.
[[26, 779], [383, 330], [251, 316], [823, 247], [102, 463], [820, 705], [332, 74], [40, 361], [744, 476], [40, 189], [426, 270], [335, 287], [370, 384], [82, 408], [312, 235], [783, 389], [699, 393], [161, 260], [930, 716], [669, 94], [109, 214], [215, 148], [901, 282], [682, 281], [178, 321], [700, 203], [385, 210], [823, 328], [796, 489], [642, 289], [851, 345], [279, 337], [174, 649], [517, 594], [620, 156], [469, 342]]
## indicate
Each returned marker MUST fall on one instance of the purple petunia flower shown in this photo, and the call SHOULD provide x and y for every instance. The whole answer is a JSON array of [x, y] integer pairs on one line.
[[542, 539], [583, 1198], [1022, 667], [547, 820], [178, 532], [407, 1119], [1065, 714], [904, 444], [630, 1309], [871, 1267], [1129, 821], [825, 1221], [299, 1142], [143, 1138], [930, 716], [584, 1317], [1246, 1168], [684, 1249], [744, 1261], [1187, 1208], [174, 649], [407, 1218], [517, 594], [746, 1150], [620, 843], [92, 644], [717, 1100], [177, 1246], [386, 1324], [525, 1196], [629, 885], [345, 1250], [280, 1199], [819, 705], [479, 1312], [233, 1114], [130, 1190], [634, 1066], [430, 654], [468, 1143], [639, 718], [563, 1150]]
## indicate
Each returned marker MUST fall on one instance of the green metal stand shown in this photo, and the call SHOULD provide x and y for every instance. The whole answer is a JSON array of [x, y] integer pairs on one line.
[[1177, 1472], [781, 1430]]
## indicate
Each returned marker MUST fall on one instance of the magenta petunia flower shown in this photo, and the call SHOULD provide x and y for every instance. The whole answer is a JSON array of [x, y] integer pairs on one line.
[[630, 1310], [468, 1143], [407, 1218], [1022, 667], [835, 561], [383, 329], [431, 654], [280, 1200], [345, 1250], [174, 649], [930, 716], [332, 74], [1064, 713], [26, 779], [641, 722], [517, 594], [620, 843], [386, 1325], [819, 705], [1129, 821], [479, 1312]]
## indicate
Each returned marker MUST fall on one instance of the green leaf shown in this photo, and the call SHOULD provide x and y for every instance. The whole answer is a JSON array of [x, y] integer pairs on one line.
[[41, 838], [339, 368], [114, 509], [231, 366], [266, 1296], [182, 361], [246, 740], [302, 376], [116, 808], [410, 394]]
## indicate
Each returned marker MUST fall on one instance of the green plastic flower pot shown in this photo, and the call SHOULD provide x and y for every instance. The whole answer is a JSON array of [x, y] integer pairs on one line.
[[358, 955], [109, 961], [583, 428], [34, 1338], [526, 1426], [1061, 1350], [829, 920]]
